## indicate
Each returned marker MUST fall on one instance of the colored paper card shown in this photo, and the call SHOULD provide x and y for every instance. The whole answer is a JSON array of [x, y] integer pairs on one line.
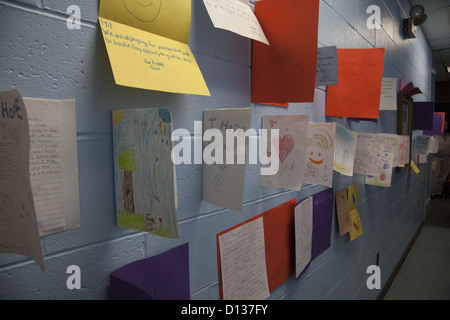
[[322, 221], [422, 158], [438, 124], [406, 145], [159, 59], [343, 212], [19, 232], [303, 235], [167, 19], [368, 153], [242, 262], [145, 181], [395, 143], [423, 115], [286, 70], [410, 89], [327, 73], [279, 237], [344, 150], [358, 94], [357, 230], [277, 104], [235, 16], [161, 277], [383, 179], [388, 100], [290, 145], [434, 145], [415, 168], [54, 163], [318, 166], [223, 180]]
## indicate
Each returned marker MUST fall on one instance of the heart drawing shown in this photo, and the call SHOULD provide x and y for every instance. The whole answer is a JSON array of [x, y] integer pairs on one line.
[[284, 146]]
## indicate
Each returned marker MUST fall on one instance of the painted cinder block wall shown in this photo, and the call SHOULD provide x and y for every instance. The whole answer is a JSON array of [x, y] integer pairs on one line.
[[42, 58]]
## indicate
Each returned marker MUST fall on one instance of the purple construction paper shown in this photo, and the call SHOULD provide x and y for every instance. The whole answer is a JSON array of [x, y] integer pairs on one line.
[[438, 118], [423, 115], [161, 277], [322, 220]]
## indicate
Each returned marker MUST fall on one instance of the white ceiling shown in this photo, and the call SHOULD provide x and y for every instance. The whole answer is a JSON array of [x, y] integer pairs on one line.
[[437, 31]]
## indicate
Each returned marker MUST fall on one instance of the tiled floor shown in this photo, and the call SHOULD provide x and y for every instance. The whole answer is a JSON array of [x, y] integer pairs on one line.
[[425, 273]]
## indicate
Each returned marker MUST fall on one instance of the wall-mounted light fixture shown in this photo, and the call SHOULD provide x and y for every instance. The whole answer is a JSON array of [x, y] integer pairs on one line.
[[417, 18]]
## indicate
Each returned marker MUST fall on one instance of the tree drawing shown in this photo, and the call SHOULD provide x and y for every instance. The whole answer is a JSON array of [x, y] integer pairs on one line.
[[127, 164]]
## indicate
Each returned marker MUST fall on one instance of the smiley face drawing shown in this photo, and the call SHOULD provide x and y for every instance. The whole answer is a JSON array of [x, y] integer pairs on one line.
[[6, 210], [218, 182], [143, 10], [319, 144], [316, 155]]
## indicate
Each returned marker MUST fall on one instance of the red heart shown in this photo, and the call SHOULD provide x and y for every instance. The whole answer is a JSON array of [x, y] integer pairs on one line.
[[284, 146]]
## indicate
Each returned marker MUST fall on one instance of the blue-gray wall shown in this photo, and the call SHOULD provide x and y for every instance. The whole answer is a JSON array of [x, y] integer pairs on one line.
[[42, 58]]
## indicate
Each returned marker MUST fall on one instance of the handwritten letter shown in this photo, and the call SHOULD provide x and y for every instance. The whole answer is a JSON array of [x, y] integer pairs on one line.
[[243, 262], [358, 93], [19, 231], [388, 99], [148, 47], [235, 16], [54, 163], [303, 235], [326, 66]]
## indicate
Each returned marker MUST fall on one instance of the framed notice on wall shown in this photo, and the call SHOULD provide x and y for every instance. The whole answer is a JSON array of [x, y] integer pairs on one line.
[[405, 107]]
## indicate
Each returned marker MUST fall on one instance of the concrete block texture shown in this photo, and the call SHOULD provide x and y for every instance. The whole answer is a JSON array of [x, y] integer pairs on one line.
[[42, 58]]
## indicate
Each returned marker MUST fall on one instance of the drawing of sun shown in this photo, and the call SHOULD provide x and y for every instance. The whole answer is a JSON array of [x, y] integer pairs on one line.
[[143, 10]]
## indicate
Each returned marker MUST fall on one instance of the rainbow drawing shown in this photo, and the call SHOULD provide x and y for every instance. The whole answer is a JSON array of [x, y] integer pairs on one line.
[[321, 135]]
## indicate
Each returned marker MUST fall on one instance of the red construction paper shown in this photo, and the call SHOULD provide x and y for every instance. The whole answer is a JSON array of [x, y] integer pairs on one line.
[[286, 70], [279, 242], [279, 239], [360, 74], [278, 104], [410, 89]]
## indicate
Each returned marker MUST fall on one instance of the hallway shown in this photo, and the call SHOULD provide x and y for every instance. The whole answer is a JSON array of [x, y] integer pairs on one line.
[[425, 273]]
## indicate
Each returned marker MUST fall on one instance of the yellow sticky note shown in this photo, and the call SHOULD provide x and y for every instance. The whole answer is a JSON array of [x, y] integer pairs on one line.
[[158, 60], [357, 230], [413, 165]]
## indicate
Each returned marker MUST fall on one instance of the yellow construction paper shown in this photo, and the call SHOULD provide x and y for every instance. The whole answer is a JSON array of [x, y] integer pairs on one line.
[[413, 165], [354, 215], [150, 60], [169, 19]]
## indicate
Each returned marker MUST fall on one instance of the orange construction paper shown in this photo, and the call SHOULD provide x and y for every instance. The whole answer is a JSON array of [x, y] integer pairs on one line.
[[286, 70], [443, 120], [279, 241], [278, 104], [358, 92]]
